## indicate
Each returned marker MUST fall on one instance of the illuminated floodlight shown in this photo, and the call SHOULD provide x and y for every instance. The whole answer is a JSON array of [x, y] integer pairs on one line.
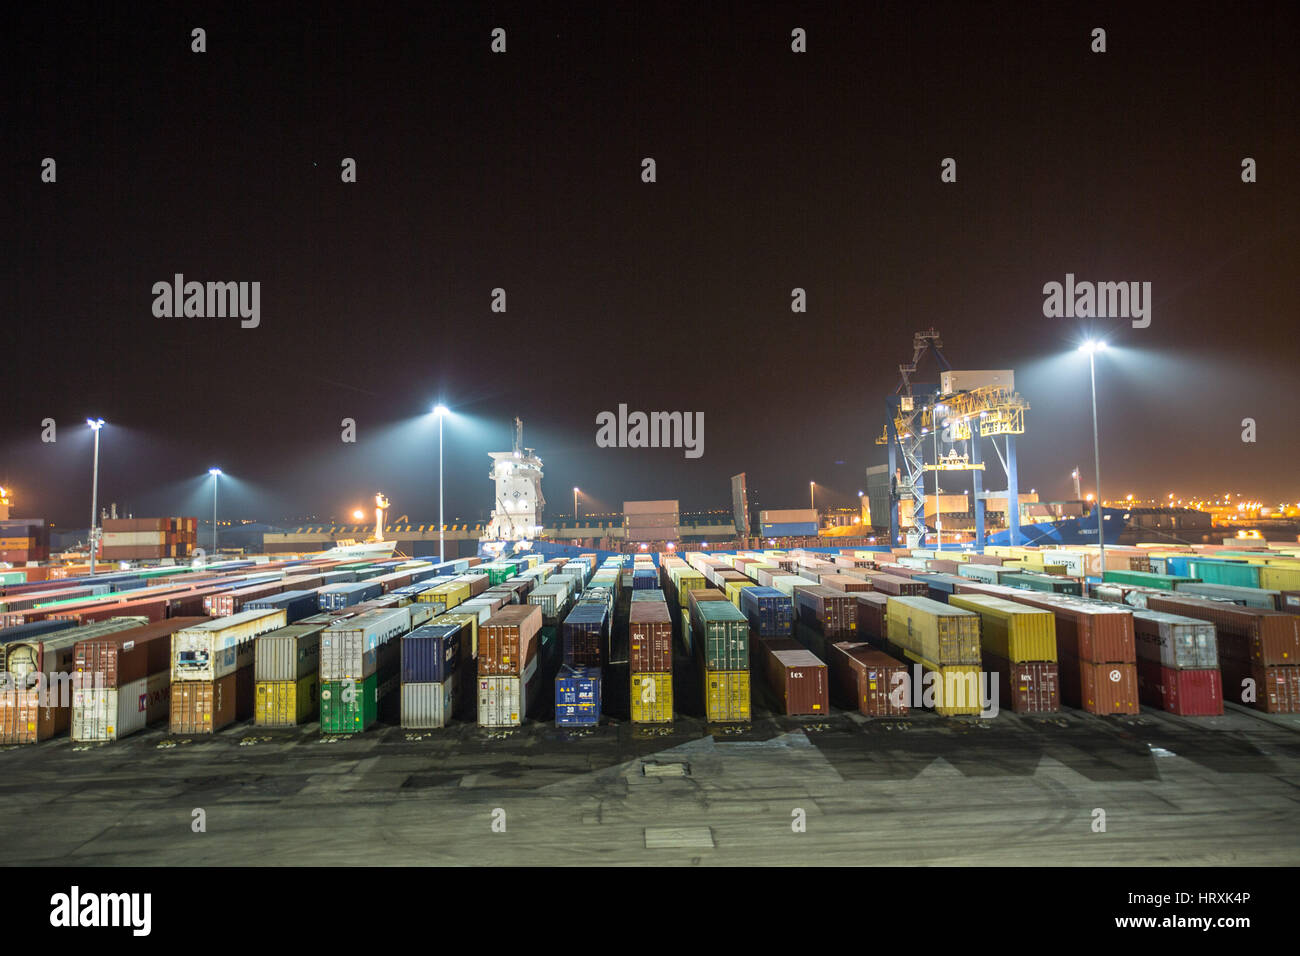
[[95, 423]]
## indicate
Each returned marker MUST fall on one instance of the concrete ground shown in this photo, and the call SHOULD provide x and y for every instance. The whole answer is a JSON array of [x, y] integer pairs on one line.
[[920, 790]]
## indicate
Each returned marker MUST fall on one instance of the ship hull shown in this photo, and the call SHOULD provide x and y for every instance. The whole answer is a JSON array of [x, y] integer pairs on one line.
[[1067, 531]]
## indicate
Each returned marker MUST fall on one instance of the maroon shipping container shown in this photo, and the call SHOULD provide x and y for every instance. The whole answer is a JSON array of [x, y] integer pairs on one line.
[[205, 706], [1029, 688], [155, 610], [944, 566], [130, 655], [650, 637], [1105, 688], [227, 603], [1102, 633], [898, 586], [1189, 693], [508, 640], [865, 679], [873, 619], [1256, 635], [799, 680], [1277, 689], [835, 612], [847, 582]]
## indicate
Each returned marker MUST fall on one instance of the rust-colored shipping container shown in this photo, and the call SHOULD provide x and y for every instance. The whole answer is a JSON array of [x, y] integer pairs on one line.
[[1031, 687], [650, 637], [229, 603], [508, 640], [847, 582], [1099, 688], [1277, 689], [130, 655], [799, 680], [898, 586], [155, 609], [944, 566], [834, 611], [1101, 633], [205, 706], [873, 615], [1256, 635], [868, 680], [1189, 693]]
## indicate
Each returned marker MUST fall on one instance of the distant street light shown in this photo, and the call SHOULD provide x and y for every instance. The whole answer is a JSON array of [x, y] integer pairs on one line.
[[216, 478], [1092, 348], [575, 504], [811, 502], [441, 411], [95, 425]]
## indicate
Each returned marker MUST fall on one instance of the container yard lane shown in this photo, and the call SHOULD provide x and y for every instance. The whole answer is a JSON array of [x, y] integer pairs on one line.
[[840, 789]]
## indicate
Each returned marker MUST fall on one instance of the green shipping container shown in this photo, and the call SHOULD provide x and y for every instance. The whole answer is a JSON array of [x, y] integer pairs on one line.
[[1221, 572], [348, 707], [1052, 584], [1146, 579], [722, 634]]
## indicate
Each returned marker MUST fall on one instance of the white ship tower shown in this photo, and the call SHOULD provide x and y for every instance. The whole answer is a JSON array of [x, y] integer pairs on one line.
[[517, 475]]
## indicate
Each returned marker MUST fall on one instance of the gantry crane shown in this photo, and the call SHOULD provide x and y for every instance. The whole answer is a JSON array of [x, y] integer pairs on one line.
[[921, 412]]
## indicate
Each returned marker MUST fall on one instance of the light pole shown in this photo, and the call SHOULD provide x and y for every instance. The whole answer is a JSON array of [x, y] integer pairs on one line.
[[216, 478], [811, 502], [575, 505], [441, 412], [938, 521], [95, 425], [1092, 348]]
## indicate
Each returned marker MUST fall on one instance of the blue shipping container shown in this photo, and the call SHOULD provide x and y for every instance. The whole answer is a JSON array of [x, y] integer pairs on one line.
[[770, 613], [295, 604], [430, 653], [644, 579], [337, 596], [790, 529], [577, 697]]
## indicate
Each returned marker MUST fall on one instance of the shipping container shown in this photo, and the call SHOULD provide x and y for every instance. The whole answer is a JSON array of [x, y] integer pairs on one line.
[[953, 690], [335, 596], [504, 701], [206, 706], [286, 703], [934, 633], [1174, 641], [868, 680], [213, 649], [1248, 597], [429, 705], [726, 696], [799, 680], [1098, 632], [770, 612], [287, 653], [577, 696], [1194, 692], [650, 638], [721, 634], [835, 612], [431, 654], [128, 656], [873, 616], [651, 698], [1102, 688], [110, 713], [360, 646], [584, 633], [892, 584], [350, 706], [1027, 687], [1009, 630], [295, 604], [507, 640], [1251, 635], [1276, 689]]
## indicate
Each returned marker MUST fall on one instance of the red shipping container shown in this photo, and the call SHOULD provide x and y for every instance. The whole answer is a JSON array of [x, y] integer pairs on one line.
[[130, 655], [868, 680], [1274, 690], [873, 619], [1090, 632], [1188, 693], [898, 586], [1027, 688], [508, 641], [650, 637], [835, 612]]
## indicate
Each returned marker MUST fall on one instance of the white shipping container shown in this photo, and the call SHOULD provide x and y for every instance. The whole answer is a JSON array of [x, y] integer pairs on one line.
[[426, 706], [287, 656], [650, 507], [347, 649], [113, 713], [1074, 561], [503, 701], [484, 609], [213, 649], [423, 613]]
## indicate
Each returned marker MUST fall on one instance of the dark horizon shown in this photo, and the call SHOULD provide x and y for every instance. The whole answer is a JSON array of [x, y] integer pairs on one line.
[[522, 171]]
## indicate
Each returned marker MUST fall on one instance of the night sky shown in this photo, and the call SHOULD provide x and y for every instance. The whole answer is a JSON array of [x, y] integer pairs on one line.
[[522, 171]]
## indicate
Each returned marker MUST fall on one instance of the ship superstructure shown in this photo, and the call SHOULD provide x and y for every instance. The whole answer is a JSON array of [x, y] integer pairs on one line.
[[517, 475]]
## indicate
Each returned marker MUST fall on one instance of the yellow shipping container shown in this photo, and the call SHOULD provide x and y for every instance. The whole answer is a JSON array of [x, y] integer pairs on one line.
[[938, 634], [687, 581], [726, 696], [1013, 631], [464, 620], [953, 691], [652, 698], [734, 588], [447, 595], [1274, 578], [286, 703]]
